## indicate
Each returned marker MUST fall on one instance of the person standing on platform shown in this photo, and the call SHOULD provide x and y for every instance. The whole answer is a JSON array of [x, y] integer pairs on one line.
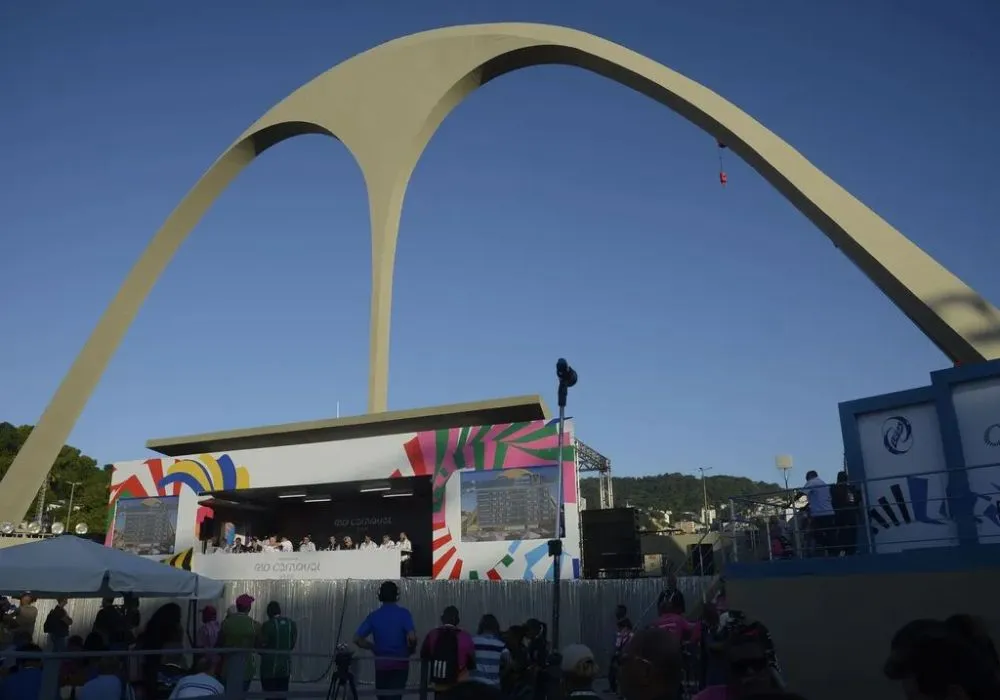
[[279, 633], [393, 640], [405, 554]]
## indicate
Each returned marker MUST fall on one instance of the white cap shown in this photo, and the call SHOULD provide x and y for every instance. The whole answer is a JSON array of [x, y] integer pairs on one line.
[[575, 657]]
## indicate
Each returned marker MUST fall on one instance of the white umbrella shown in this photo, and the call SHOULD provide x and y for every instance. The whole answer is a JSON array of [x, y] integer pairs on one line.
[[77, 568]]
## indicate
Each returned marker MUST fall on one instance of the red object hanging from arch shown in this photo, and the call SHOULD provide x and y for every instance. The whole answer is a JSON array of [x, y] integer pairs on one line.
[[723, 179]]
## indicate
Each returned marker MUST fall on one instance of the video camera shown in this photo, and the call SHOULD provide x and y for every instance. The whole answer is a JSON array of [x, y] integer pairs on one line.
[[342, 658], [342, 680]]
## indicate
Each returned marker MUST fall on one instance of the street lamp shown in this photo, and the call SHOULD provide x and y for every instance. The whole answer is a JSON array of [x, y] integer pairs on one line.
[[69, 508], [783, 463], [704, 494]]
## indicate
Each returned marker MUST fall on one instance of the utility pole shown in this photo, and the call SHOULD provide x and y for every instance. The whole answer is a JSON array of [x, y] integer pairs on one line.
[[69, 508], [704, 493]]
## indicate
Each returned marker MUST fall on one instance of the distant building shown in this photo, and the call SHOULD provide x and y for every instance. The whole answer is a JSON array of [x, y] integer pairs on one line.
[[515, 503]]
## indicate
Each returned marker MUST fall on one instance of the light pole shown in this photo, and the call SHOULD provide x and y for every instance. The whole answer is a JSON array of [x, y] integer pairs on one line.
[[704, 493], [69, 508], [783, 463]]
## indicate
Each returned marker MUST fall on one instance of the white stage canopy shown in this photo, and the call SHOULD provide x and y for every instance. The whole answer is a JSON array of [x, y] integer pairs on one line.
[[78, 568]]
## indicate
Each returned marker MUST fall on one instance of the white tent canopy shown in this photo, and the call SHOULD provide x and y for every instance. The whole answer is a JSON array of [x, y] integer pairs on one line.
[[77, 568]]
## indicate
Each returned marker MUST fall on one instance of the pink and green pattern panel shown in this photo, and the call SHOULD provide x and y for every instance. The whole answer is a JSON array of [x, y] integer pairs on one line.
[[440, 453]]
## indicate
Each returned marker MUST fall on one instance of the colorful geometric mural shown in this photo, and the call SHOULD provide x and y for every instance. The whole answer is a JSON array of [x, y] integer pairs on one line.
[[204, 473], [441, 453], [181, 560]]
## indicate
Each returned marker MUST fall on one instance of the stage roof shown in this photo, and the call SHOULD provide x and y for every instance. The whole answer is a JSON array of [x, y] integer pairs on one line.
[[266, 496], [515, 409]]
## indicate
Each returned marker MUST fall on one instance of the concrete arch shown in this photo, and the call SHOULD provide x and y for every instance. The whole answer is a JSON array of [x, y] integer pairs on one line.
[[385, 105]]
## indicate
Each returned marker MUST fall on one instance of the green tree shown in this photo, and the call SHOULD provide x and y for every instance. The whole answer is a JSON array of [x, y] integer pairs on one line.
[[90, 497], [680, 493]]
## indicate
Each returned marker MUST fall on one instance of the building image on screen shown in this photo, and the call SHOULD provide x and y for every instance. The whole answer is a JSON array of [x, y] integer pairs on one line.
[[145, 526], [509, 504]]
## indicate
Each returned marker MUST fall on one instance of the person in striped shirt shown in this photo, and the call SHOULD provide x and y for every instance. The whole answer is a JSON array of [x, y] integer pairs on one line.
[[492, 655]]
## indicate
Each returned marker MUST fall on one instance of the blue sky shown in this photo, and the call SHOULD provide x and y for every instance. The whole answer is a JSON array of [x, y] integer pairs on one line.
[[554, 213]]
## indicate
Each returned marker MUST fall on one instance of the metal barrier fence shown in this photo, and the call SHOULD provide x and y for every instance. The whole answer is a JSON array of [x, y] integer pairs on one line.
[[587, 611], [889, 514]]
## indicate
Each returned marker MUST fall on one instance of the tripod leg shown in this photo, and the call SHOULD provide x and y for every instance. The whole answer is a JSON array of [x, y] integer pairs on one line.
[[354, 689]]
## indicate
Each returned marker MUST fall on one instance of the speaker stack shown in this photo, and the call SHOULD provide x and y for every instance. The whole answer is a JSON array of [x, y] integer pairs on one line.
[[610, 543]]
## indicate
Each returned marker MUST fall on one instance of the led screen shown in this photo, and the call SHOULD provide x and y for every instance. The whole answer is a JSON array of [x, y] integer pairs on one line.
[[509, 504], [146, 526]]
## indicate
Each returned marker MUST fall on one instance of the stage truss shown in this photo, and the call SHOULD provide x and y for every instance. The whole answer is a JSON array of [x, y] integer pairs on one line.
[[590, 460]]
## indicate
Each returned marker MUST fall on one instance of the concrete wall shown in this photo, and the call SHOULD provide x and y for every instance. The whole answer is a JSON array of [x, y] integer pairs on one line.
[[832, 632]]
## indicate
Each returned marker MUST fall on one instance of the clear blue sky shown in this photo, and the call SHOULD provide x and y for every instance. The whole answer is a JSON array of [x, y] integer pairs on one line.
[[555, 213]]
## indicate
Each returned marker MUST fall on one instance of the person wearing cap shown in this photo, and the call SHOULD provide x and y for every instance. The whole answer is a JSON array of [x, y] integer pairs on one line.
[[240, 631], [207, 636], [579, 669], [393, 638]]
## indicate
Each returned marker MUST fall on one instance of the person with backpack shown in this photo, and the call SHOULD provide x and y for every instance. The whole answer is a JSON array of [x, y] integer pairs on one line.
[[447, 655], [57, 625], [280, 634]]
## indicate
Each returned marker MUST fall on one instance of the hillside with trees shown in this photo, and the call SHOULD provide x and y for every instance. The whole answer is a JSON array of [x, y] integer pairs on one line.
[[90, 497], [680, 493]]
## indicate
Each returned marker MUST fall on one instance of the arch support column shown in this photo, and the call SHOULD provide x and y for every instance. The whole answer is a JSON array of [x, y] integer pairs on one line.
[[385, 205]]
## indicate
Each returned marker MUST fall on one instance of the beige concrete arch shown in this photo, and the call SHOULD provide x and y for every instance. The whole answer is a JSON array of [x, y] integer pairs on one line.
[[386, 103]]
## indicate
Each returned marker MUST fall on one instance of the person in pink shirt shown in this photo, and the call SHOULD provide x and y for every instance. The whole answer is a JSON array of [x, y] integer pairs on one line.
[[447, 654], [671, 619]]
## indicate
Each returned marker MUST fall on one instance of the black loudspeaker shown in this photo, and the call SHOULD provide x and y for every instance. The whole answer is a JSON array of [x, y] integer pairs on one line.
[[701, 559], [610, 541], [207, 530]]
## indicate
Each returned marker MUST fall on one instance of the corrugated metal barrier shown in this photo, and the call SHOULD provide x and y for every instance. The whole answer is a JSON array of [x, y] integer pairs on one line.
[[587, 613]]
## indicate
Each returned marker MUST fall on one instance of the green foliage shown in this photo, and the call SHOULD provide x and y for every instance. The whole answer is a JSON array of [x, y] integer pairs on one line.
[[680, 493], [90, 498]]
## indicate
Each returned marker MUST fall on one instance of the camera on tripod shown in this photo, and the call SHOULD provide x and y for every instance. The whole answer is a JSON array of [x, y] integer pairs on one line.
[[342, 659], [342, 680]]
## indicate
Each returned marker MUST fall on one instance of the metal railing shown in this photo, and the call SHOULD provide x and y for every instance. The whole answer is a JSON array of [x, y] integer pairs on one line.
[[238, 682], [888, 514]]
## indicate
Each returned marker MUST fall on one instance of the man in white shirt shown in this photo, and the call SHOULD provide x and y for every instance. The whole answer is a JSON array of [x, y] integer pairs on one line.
[[307, 545], [368, 544], [387, 543], [286, 545], [405, 552], [200, 684], [271, 545], [822, 523]]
